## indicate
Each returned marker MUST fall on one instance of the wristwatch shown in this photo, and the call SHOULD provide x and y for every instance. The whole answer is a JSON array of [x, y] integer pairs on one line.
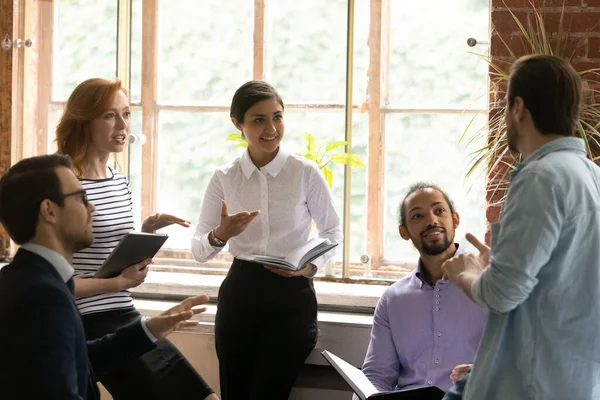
[[218, 242]]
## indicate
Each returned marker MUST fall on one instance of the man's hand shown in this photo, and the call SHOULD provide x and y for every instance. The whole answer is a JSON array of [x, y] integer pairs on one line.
[[464, 269], [459, 371], [234, 224], [159, 221], [177, 317], [309, 270]]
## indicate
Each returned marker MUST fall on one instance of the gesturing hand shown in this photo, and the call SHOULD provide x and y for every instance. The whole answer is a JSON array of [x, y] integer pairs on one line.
[[462, 270], [234, 224], [484, 250], [159, 221], [176, 317]]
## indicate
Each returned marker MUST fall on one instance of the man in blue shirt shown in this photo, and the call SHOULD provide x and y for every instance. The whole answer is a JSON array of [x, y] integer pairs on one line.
[[541, 281], [423, 325]]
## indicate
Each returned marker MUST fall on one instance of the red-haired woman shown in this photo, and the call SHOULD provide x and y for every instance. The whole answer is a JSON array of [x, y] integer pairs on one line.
[[94, 127]]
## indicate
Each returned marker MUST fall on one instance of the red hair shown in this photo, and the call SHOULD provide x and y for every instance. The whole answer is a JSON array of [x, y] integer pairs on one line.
[[89, 100]]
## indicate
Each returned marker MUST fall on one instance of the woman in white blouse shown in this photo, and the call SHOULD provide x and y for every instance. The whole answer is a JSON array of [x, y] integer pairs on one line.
[[264, 203]]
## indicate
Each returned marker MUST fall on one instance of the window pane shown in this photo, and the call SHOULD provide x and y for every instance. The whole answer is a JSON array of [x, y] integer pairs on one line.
[[85, 44], [135, 92], [198, 139], [358, 188], [192, 146], [328, 127], [135, 165], [429, 62], [307, 50], [425, 147], [361, 51], [55, 111], [205, 50]]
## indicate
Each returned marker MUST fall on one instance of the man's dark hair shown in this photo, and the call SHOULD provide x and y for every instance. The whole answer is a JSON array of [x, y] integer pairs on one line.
[[23, 188], [551, 91], [248, 95], [415, 188]]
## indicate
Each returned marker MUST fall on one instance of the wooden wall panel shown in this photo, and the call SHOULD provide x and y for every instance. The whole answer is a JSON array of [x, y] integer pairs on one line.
[[7, 17]]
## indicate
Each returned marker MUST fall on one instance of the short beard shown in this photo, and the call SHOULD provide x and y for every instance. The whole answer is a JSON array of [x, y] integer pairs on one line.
[[73, 244], [436, 250]]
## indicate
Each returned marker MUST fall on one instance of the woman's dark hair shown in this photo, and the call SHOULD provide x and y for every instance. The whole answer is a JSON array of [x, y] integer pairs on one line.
[[551, 91], [23, 188], [248, 95]]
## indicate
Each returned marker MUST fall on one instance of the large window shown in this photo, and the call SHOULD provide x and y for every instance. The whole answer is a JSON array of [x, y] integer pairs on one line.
[[413, 91]]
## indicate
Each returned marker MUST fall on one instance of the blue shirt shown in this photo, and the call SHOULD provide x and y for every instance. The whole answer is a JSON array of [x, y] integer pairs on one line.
[[542, 338], [421, 332]]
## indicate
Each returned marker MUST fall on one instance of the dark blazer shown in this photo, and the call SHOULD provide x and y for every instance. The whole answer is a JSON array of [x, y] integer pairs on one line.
[[44, 353]]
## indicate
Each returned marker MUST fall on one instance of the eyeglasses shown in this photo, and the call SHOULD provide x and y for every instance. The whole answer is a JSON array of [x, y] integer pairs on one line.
[[82, 193]]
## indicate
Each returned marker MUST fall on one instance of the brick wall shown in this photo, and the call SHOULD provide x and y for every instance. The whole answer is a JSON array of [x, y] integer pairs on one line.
[[581, 20]]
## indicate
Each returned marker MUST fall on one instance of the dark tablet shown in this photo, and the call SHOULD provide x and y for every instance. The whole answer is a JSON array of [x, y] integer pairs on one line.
[[133, 248]]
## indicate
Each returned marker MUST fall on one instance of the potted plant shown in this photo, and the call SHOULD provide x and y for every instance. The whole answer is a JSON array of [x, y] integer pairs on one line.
[[495, 157]]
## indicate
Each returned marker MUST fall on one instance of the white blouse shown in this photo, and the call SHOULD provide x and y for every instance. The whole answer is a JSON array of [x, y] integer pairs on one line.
[[290, 193]]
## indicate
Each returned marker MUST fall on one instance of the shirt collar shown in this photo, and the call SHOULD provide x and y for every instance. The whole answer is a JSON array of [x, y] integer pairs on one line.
[[566, 143], [420, 273], [273, 168], [62, 266]]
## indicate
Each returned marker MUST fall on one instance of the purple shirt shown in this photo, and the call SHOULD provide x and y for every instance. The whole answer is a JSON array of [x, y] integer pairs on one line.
[[421, 332]]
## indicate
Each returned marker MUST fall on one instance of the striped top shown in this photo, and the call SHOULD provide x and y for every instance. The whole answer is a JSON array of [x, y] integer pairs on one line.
[[112, 219]]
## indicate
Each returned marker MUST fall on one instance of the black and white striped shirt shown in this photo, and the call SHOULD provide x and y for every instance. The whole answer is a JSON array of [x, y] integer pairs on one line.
[[112, 219]]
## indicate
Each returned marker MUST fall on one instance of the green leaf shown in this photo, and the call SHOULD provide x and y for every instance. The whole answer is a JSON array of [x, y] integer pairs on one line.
[[311, 145], [235, 137], [335, 146], [312, 157], [348, 159], [328, 176], [242, 144]]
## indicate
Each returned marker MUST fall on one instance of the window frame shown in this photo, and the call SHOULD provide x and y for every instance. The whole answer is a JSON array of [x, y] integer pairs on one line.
[[39, 80]]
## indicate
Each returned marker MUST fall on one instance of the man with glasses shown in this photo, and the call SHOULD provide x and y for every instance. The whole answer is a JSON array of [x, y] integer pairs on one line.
[[45, 355]]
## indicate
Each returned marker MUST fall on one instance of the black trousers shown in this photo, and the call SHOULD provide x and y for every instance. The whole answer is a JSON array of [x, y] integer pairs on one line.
[[161, 373], [265, 327]]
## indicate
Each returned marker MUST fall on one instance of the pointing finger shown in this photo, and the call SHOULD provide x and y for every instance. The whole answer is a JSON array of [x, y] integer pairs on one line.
[[477, 243]]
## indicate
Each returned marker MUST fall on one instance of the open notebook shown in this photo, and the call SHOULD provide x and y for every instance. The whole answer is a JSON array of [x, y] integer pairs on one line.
[[365, 390], [296, 259]]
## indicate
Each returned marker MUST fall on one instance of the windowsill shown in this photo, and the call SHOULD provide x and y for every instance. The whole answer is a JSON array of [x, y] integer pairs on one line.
[[166, 285], [163, 284]]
